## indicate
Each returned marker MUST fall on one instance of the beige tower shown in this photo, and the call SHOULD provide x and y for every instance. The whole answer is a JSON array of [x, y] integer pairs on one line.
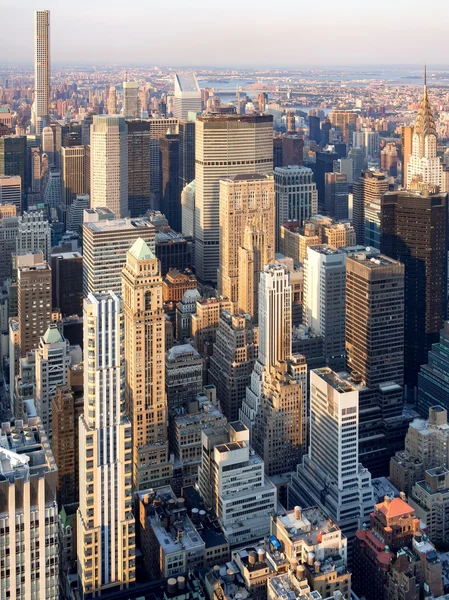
[[245, 201], [145, 375], [112, 101]]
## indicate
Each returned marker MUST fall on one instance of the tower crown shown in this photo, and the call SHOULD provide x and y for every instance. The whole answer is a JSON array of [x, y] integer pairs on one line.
[[425, 121]]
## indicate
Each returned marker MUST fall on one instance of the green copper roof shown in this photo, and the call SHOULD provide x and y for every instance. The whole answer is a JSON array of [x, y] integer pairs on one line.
[[140, 250], [52, 335]]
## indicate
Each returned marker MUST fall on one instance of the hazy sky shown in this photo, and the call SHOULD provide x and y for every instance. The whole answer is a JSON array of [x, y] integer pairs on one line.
[[232, 32]]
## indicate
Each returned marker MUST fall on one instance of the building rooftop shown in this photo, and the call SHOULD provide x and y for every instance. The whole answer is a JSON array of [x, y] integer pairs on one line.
[[309, 526], [372, 259], [336, 380], [248, 177], [183, 350], [140, 250], [169, 236], [187, 82], [118, 225], [52, 335], [394, 507]]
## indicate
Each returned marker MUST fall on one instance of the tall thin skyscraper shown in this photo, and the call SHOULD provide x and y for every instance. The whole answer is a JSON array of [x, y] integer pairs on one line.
[[109, 164], [225, 145], [139, 171], [423, 160], [187, 95], [112, 101], [131, 99], [368, 191], [105, 521], [170, 191], [145, 368], [41, 70]]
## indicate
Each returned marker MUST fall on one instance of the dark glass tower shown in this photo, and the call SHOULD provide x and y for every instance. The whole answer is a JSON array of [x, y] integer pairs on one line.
[[138, 167], [171, 193], [186, 153]]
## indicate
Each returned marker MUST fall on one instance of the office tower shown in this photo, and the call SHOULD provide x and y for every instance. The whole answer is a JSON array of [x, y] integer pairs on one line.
[[112, 101], [406, 150], [225, 145], [73, 173], [67, 283], [230, 463], [414, 231], [173, 250], [67, 407], [188, 210], [346, 166], [105, 523], [423, 160], [52, 365], [345, 121], [246, 201], [430, 499], [331, 475], [389, 159], [278, 156], [426, 446], [368, 190], [40, 109], [139, 176], [109, 164], [375, 318], [11, 191], [8, 233], [33, 234], [338, 235], [314, 129], [76, 212], [48, 144], [131, 100], [204, 322], [158, 129], [336, 191], [37, 173], [170, 192], [13, 152], [324, 300], [324, 164], [292, 150], [186, 153], [326, 127], [106, 242], [296, 196], [145, 388], [432, 387], [68, 135], [187, 96], [183, 376], [52, 189], [232, 362], [28, 512], [371, 144], [358, 158], [34, 300]]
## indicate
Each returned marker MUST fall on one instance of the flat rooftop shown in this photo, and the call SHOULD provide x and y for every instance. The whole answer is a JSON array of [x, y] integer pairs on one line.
[[336, 380], [310, 527], [118, 225]]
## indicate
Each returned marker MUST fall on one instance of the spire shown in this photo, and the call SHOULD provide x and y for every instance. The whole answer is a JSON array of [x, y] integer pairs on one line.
[[425, 75], [425, 121]]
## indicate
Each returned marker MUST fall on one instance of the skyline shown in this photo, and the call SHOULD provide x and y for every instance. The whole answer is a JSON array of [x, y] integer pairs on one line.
[[233, 43]]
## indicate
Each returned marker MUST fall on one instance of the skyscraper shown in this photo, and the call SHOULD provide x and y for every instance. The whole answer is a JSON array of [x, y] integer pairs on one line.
[[406, 150], [105, 523], [345, 121], [187, 96], [171, 193], [423, 160], [131, 100], [368, 191], [296, 196], [109, 164], [186, 152], [11, 191], [145, 368], [139, 172], [73, 169], [336, 191], [324, 164], [226, 145], [33, 234], [112, 101], [40, 109], [414, 231], [13, 152], [246, 201]]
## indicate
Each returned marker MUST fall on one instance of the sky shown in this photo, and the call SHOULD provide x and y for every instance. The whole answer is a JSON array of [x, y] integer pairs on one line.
[[231, 32]]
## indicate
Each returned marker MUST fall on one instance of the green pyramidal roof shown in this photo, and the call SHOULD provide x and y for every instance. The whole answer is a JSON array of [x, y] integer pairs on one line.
[[52, 335], [140, 250]]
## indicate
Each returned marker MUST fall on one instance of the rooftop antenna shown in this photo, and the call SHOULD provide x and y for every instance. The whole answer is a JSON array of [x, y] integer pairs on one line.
[[425, 74]]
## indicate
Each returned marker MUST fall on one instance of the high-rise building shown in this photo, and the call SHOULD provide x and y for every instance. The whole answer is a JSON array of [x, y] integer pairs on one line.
[[34, 300], [144, 340], [11, 191], [225, 145], [34, 234], [48, 145], [423, 160], [187, 96], [170, 203], [106, 242], [109, 164], [336, 192], [105, 522], [139, 176], [183, 376], [432, 377], [235, 352], [314, 129], [406, 150], [40, 109], [67, 407], [8, 234], [188, 210], [331, 475], [158, 129], [368, 190], [52, 365], [375, 318], [131, 100], [112, 101], [73, 172], [186, 153], [28, 512], [345, 121], [204, 322], [296, 196], [324, 164], [414, 231], [67, 283], [246, 201], [76, 212], [13, 157], [324, 300], [52, 189]]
